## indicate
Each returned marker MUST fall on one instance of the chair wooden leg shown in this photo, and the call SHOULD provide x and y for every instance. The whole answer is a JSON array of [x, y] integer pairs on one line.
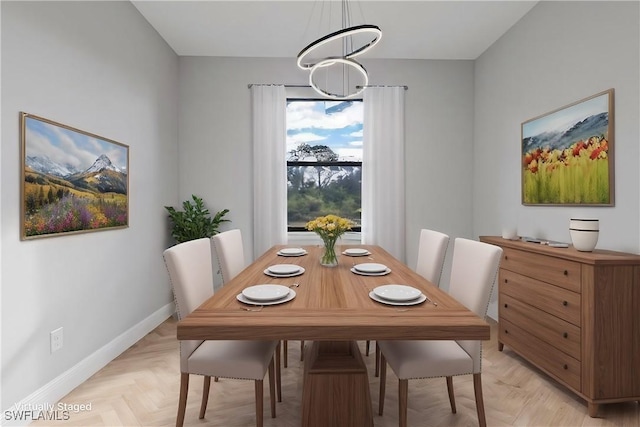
[[259, 403], [272, 388], [452, 397], [206, 385], [377, 359], [477, 388], [367, 348], [301, 351], [285, 355], [278, 374], [182, 400], [403, 392], [383, 383]]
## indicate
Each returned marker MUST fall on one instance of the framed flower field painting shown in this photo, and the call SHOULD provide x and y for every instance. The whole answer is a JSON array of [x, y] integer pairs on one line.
[[567, 154], [72, 181]]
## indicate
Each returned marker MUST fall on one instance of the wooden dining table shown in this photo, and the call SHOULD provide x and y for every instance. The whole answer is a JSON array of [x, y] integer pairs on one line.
[[332, 310]]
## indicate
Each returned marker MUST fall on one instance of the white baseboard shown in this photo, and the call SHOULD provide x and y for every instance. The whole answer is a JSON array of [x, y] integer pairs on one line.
[[64, 383]]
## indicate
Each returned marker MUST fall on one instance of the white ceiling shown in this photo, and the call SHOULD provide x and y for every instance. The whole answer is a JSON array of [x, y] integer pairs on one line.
[[411, 29]]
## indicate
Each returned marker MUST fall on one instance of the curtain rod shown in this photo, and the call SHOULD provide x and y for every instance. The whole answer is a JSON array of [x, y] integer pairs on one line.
[[285, 85], [402, 86], [274, 84]]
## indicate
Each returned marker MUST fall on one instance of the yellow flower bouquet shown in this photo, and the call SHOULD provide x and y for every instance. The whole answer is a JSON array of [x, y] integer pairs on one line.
[[329, 228]]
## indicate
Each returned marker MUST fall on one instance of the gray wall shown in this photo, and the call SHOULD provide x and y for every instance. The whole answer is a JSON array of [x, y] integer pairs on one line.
[[215, 136], [99, 67], [558, 53]]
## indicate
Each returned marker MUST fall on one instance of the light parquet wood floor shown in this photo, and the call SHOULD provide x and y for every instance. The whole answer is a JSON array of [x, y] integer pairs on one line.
[[140, 388]]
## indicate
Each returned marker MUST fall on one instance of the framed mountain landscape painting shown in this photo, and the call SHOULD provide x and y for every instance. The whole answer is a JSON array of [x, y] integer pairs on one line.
[[567, 155], [72, 181]]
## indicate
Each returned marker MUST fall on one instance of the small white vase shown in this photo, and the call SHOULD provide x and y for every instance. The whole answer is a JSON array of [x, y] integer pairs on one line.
[[509, 233], [584, 233]]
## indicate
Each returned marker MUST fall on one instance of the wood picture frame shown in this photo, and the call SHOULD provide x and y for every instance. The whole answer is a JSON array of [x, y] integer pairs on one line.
[[567, 154], [72, 181]]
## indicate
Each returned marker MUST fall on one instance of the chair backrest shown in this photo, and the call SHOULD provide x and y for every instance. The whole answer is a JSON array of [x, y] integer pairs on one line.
[[230, 253], [473, 272], [191, 275], [431, 252]]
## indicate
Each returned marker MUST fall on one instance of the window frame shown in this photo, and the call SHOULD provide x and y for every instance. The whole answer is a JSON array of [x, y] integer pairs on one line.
[[321, 163]]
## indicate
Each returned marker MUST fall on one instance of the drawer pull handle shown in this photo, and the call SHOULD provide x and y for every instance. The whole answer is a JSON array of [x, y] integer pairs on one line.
[[506, 306], [506, 281], [566, 273], [506, 331], [566, 367], [565, 335], [565, 303], [506, 257]]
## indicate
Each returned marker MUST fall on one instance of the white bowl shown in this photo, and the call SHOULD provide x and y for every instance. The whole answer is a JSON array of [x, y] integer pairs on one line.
[[584, 224], [370, 267], [584, 240], [284, 268], [397, 292]]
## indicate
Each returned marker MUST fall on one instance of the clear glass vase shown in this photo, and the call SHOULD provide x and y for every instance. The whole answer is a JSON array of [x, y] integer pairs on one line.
[[329, 257]]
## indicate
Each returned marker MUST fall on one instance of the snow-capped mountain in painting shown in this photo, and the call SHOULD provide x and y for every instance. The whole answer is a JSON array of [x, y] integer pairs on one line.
[[45, 165], [103, 162]]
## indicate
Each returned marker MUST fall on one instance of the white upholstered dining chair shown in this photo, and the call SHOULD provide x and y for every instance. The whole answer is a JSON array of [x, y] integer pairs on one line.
[[191, 274], [473, 273], [432, 249], [431, 253], [229, 250]]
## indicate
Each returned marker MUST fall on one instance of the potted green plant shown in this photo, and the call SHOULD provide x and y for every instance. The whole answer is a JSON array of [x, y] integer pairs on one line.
[[194, 222]]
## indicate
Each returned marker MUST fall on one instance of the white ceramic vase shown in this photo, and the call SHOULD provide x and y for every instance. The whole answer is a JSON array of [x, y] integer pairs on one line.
[[584, 233]]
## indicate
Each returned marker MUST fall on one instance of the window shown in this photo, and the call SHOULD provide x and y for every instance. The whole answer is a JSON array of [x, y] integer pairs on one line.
[[324, 160]]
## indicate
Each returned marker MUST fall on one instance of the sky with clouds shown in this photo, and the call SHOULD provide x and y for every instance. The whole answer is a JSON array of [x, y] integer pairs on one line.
[[337, 125], [65, 146]]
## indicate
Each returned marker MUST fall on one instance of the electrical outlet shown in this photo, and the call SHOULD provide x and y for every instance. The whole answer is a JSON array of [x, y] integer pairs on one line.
[[56, 340]]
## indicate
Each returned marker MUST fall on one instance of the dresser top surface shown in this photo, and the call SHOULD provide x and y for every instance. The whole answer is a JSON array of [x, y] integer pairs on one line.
[[598, 256]]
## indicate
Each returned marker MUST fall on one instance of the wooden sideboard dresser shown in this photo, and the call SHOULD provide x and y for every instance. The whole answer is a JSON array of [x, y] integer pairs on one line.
[[575, 315]]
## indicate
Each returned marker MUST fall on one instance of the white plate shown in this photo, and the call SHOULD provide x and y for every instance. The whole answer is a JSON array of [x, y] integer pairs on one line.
[[370, 267], [243, 299], [356, 252], [281, 269], [422, 298], [297, 273], [397, 292], [292, 252], [362, 273], [265, 292]]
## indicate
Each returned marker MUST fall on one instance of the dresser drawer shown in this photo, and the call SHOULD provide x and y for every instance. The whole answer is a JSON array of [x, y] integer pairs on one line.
[[548, 358], [561, 334], [549, 298], [560, 272]]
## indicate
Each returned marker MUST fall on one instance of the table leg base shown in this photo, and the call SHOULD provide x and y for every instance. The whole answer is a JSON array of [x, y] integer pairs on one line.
[[336, 386]]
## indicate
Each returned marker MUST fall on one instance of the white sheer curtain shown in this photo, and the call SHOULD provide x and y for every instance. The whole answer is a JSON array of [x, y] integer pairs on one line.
[[383, 199], [269, 105]]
